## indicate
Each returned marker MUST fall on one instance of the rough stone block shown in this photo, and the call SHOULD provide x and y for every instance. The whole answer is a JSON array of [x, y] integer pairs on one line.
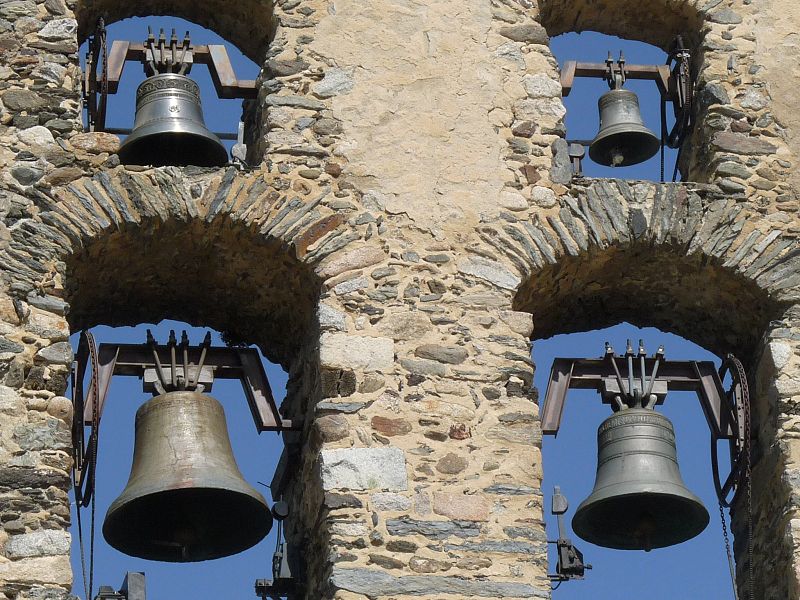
[[405, 325], [390, 501], [364, 469], [59, 353], [461, 506], [45, 569], [490, 271], [356, 352], [355, 259], [44, 542]]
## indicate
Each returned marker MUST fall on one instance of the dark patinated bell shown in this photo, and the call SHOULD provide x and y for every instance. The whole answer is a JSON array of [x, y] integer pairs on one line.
[[185, 500], [169, 128], [639, 500], [623, 140]]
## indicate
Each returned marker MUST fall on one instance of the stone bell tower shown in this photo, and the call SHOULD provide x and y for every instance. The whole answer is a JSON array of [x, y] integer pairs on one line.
[[411, 223]]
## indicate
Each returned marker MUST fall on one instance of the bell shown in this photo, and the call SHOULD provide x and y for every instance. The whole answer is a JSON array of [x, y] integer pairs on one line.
[[623, 140], [639, 501], [169, 127], [185, 499]]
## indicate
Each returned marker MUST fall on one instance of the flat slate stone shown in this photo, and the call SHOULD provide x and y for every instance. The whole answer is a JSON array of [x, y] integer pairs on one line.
[[377, 583]]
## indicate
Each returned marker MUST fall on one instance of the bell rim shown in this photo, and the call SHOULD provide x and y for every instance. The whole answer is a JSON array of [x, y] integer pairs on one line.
[[650, 143], [148, 132], [698, 517], [258, 526]]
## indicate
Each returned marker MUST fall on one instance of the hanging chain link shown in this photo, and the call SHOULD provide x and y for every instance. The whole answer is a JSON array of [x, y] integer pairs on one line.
[[731, 564]]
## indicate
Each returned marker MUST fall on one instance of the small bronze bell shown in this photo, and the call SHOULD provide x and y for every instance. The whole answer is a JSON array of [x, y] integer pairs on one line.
[[169, 128], [623, 140], [639, 500], [186, 499]]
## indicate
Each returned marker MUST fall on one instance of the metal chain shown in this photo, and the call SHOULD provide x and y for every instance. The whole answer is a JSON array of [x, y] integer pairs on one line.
[[748, 479], [731, 565], [749, 484]]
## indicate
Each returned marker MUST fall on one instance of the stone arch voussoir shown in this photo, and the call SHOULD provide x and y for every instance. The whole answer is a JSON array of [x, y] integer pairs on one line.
[[220, 248], [682, 257]]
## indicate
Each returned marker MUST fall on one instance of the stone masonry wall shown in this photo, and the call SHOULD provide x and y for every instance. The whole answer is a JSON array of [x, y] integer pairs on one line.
[[408, 225]]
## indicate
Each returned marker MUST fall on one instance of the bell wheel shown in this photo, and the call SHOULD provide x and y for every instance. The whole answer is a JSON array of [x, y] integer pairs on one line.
[[738, 397]]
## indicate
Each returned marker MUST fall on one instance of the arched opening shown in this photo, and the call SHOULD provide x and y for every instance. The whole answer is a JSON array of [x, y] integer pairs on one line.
[[221, 274], [256, 455], [693, 296]]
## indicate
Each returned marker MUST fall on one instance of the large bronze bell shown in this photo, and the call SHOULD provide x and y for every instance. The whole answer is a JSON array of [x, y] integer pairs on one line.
[[623, 140], [169, 128], [186, 499], [639, 500]]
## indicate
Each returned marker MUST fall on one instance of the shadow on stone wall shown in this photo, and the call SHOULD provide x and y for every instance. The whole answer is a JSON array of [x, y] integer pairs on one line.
[[646, 285], [217, 274], [246, 23]]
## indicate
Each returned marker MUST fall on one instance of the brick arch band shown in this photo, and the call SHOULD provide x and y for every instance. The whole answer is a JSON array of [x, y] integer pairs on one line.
[[132, 247]]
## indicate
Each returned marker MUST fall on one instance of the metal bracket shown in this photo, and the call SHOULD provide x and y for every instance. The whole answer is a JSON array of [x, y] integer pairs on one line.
[[133, 588], [692, 376], [283, 583], [569, 564], [158, 366]]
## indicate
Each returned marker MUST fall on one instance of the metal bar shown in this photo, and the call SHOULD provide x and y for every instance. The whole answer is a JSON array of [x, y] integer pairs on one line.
[[568, 77], [700, 377], [106, 358], [116, 63], [127, 131], [226, 363], [560, 382], [600, 70], [661, 74], [259, 395]]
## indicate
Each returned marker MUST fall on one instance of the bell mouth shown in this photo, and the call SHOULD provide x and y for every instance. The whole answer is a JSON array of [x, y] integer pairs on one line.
[[187, 525], [153, 146], [633, 144], [641, 520]]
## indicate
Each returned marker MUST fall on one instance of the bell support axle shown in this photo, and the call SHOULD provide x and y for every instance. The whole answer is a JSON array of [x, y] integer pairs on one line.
[[165, 364], [598, 374]]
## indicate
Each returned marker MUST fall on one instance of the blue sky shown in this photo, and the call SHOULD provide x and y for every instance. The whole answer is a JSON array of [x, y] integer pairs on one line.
[[697, 568]]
